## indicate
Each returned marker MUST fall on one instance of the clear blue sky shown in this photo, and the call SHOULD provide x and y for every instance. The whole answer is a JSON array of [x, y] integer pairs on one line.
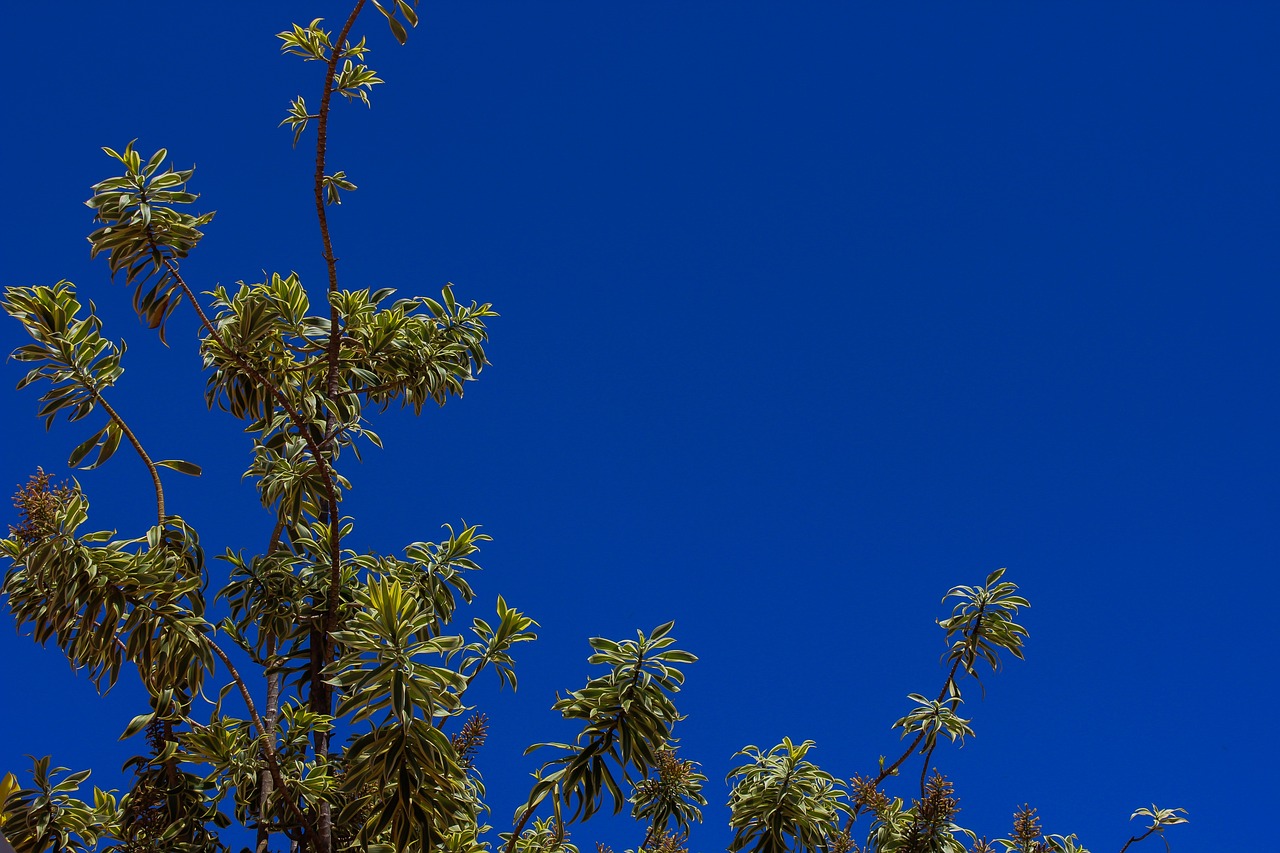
[[809, 312]]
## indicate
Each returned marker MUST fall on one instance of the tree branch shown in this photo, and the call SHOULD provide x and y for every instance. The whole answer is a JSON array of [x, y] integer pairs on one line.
[[87, 382], [334, 349], [892, 768], [924, 771], [304, 431], [322, 144], [268, 747], [137, 445], [1134, 839], [596, 745], [267, 783], [320, 691], [323, 837]]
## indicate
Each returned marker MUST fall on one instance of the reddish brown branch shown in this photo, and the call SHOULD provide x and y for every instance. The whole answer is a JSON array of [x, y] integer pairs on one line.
[[1134, 839], [322, 144], [321, 695], [137, 445]]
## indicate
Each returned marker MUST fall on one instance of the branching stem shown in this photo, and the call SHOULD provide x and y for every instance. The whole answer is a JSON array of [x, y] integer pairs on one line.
[[597, 745], [946, 685], [321, 837], [1134, 839], [971, 638], [304, 432], [268, 747]]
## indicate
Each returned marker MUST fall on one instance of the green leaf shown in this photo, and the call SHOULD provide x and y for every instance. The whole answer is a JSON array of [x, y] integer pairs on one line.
[[181, 466], [82, 450], [398, 30], [407, 10], [136, 725], [109, 446]]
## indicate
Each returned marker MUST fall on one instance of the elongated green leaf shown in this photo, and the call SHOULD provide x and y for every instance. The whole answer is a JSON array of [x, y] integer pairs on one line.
[[409, 14], [109, 446], [82, 450], [398, 30], [181, 466], [136, 725]]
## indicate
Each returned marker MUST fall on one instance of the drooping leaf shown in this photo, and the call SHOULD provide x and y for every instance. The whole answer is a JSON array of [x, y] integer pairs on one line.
[[181, 466]]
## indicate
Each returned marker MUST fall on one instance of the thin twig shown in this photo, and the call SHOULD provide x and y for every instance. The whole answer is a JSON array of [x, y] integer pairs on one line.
[[1136, 838], [924, 771]]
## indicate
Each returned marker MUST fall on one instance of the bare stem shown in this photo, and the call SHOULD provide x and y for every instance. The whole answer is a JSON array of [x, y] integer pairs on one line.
[[924, 771], [266, 783], [322, 143], [524, 818]]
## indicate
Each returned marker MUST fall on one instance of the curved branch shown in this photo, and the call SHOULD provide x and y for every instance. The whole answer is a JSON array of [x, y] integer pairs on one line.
[[333, 352], [334, 348], [924, 771], [322, 144], [524, 819], [87, 382], [137, 445]]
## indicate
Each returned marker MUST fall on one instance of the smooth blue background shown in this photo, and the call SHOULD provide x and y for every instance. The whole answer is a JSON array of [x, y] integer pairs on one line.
[[809, 312]]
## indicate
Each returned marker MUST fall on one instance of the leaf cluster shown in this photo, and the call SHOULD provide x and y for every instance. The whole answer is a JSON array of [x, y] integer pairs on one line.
[[780, 799], [143, 233], [627, 715]]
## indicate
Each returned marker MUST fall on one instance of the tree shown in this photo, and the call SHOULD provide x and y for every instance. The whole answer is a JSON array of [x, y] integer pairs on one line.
[[329, 709]]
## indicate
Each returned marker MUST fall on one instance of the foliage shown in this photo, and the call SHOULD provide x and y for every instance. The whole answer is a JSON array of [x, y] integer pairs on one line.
[[329, 709], [779, 799]]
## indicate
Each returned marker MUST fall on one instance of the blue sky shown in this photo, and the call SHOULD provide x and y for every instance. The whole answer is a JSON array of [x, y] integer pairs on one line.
[[809, 312]]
